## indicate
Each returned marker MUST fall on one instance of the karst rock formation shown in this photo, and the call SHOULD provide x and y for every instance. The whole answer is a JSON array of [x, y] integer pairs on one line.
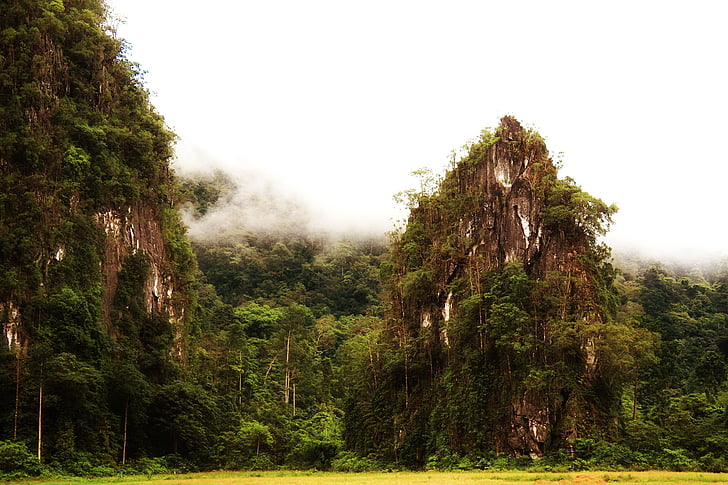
[[498, 302]]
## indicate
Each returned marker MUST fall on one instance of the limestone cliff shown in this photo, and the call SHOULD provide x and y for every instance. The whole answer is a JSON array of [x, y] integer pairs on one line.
[[95, 267], [138, 229], [84, 176], [498, 295], [124, 231]]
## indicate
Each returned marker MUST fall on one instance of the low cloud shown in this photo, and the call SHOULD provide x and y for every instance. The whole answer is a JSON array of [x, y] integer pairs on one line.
[[253, 201]]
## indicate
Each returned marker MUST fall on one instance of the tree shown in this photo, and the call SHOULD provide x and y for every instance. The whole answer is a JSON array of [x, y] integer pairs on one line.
[[185, 420], [710, 372]]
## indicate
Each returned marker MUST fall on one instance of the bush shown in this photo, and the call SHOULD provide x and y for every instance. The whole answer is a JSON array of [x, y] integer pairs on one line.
[[444, 459], [348, 461], [714, 464], [614, 456], [16, 461], [508, 462], [262, 462], [674, 460], [146, 466]]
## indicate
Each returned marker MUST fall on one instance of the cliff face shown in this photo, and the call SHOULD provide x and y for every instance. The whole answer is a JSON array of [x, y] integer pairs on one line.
[[501, 194], [498, 289], [121, 232], [95, 268], [138, 230], [83, 172]]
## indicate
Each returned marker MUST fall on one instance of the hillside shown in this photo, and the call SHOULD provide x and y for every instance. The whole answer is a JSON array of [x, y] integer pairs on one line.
[[95, 293]]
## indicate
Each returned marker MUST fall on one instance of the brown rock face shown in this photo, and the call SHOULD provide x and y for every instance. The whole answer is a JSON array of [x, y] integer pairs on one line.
[[135, 229], [502, 207], [128, 232], [138, 229]]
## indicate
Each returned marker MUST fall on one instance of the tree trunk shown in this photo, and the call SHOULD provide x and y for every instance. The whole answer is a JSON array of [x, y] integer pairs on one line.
[[294, 398], [270, 366], [286, 389], [240, 379], [371, 362], [17, 398], [406, 378], [126, 422], [40, 416], [287, 385]]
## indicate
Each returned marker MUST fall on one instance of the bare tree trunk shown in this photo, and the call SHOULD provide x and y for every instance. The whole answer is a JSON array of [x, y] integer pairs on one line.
[[40, 415], [270, 366], [17, 398], [566, 294], [286, 388], [478, 289], [126, 422], [287, 385], [294, 398], [371, 362], [240, 379], [406, 377]]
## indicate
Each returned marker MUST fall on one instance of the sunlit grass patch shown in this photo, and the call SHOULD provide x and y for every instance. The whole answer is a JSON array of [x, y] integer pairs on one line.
[[399, 478]]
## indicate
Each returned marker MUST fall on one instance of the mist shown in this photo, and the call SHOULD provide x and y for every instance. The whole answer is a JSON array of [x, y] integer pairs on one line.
[[266, 201], [259, 202]]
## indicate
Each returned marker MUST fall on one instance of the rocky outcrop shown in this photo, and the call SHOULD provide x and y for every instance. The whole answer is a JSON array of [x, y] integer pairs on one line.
[[134, 229], [10, 316], [137, 229], [502, 206]]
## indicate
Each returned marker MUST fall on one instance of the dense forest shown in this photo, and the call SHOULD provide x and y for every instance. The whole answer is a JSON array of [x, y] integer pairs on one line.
[[494, 330]]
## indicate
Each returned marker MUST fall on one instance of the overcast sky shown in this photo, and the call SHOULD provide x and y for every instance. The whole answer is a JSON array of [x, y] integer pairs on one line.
[[338, 101]]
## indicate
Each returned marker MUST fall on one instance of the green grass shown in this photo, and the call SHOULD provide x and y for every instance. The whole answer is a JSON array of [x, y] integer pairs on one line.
[[398, 478]]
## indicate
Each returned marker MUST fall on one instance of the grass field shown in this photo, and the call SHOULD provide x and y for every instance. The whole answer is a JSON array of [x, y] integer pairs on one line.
[[399, 478]]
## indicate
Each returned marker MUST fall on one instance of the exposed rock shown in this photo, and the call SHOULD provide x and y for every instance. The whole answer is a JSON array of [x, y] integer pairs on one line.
[[129, 231], [10, 318], [489, 213]]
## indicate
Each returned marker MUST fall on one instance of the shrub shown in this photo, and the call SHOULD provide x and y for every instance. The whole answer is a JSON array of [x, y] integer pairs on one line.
[[348, 461], [16, 461], [674, 460], [712, 463], [146, 466], [614, 456]]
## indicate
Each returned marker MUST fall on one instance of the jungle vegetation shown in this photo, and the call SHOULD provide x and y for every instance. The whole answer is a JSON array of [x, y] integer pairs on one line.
[[285, 356]]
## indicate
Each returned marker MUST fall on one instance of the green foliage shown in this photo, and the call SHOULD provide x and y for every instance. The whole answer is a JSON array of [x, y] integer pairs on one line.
[[429, 184], [315, 443], [73, 320], [248, 447], [348, 461], [573, 211], [340, 279], [202, 193], [16, 461], [417, 285], [292, 365], [478, 334]]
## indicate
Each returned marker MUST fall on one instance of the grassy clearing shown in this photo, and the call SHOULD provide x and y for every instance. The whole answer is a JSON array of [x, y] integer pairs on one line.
[[399, 478]]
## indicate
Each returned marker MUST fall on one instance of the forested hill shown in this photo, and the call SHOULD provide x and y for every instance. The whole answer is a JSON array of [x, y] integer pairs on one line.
[[96, 273], [490, 331], [501, 312]]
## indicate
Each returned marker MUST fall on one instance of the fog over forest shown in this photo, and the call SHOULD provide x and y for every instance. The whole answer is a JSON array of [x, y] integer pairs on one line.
[[629, 96]]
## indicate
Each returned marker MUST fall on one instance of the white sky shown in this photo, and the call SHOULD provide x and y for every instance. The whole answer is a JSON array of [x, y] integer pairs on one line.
[[338, 101]]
